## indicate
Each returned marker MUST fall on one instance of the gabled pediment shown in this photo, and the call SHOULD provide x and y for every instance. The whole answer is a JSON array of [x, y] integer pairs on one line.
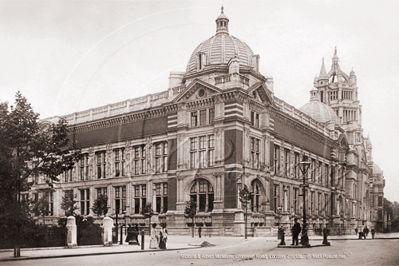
[[197, 89], [262, 92]]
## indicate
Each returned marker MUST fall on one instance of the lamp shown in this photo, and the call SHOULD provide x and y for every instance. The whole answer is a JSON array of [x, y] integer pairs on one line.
[[304, 166]]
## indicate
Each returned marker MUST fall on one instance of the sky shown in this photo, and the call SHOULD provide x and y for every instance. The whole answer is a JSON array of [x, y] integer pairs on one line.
[[70, 56]]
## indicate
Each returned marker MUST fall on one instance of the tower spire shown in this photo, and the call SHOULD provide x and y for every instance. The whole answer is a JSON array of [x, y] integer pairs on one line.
[[323, 72]]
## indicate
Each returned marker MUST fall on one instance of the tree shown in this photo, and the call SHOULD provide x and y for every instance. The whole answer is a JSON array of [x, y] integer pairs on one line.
[[245, 196], [69, 204], [100, 206], [28, 148], [148, 212], [190, 211], [41, 207]]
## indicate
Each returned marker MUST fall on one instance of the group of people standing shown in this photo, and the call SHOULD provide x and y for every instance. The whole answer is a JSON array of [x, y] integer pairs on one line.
[[158, 239]]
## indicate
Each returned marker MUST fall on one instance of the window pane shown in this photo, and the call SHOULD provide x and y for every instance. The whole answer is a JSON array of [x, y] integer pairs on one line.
[[203, 117], [202, 203]]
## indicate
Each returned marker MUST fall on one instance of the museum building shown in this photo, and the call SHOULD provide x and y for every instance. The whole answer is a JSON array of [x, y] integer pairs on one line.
[[218, 128]]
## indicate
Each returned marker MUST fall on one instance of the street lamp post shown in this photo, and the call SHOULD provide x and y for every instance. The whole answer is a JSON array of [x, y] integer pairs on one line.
[[304, 166]]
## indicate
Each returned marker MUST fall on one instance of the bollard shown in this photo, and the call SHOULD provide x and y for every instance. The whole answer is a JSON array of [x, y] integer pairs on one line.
[[325, 234], [142, 239], [282, 234]]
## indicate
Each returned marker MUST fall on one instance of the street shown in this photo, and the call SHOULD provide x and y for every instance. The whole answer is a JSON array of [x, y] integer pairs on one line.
[[255, 251]]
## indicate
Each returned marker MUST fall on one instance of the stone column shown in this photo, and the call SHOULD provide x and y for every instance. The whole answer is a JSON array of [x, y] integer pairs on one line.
[[107, 225], [71, 236]]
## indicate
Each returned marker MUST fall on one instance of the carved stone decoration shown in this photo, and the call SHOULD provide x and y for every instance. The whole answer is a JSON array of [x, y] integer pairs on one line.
[[91, 162], [292, 160], [218, 98], [148, 148], [128, 150], [218, 132], [181, 107], [234, 67], [247, 131], [109, 157]]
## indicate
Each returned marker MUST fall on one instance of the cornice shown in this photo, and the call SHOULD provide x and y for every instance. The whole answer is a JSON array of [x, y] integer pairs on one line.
[[141, 115]]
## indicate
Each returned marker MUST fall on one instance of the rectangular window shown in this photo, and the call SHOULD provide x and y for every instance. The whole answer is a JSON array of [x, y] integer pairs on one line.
[[211, 115], [136, 163], [326, 212], [312, 202], [87, 167], [120, 199], [193, 152], [313, 170], [256, 120], [296, 165], [194, 119], [82, 167], [165, 157], [100, 158], [143, 168], [202, 151], [211, 149], [254, 159], [318, 211], [84, 201], [117, 163], [276, 159], [276, 197], [49, 196], [287, 162], [158, 157], [202, 117]]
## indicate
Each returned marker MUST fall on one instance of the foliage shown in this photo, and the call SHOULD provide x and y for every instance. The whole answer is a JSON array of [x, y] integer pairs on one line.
[[191, 209], [41, 207], [147, 211], [245, 196], [100, 206], [28, 148], [69, 204]]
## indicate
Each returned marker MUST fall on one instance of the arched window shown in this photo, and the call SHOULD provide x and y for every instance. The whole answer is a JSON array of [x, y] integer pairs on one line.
[[202, 193], [255, 205]]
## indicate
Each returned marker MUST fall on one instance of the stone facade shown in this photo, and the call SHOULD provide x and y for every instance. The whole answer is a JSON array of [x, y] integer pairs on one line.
[[218, 127]]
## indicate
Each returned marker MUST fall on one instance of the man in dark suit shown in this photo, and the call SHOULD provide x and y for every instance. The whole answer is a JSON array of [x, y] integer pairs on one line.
[[295, 232]]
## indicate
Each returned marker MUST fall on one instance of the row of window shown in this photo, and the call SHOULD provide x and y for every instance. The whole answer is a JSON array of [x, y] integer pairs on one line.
[[321, 208], [139, 162], [202, 117], [317, 170], [202, 151]]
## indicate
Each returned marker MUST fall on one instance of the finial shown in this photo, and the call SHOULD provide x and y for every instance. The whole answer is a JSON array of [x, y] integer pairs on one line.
[[222, 9], [335, 52]]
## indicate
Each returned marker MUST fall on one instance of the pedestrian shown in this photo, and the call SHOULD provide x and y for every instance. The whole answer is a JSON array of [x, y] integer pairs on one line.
[[163, 237], [372, 232], [296, 229], [356, 230], [199, 231], [364, 232], [154, 239]]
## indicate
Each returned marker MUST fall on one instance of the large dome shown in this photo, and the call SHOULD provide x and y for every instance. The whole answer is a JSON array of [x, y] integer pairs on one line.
[[318, 110], [220, 48], [376, 169]]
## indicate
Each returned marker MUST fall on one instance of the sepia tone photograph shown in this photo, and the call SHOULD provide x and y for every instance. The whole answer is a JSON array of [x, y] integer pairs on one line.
[[199, 132]]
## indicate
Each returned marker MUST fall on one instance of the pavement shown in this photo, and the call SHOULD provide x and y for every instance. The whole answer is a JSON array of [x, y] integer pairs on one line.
[[174, 243]]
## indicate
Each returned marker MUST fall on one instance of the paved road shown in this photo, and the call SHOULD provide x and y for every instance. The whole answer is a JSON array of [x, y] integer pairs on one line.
[[255, 251]]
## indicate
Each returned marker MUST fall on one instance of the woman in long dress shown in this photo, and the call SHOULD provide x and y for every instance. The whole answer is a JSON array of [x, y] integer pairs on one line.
[[163, 237], [154, 239]]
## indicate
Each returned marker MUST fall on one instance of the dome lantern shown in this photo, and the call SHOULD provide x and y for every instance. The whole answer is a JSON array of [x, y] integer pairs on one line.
[[222, 23]]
